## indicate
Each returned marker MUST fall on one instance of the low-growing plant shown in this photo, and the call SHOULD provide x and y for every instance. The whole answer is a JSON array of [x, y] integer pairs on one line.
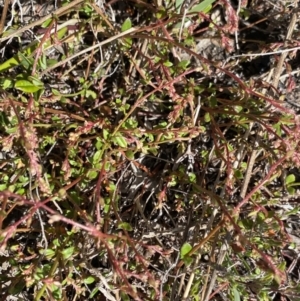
[[137, 164]]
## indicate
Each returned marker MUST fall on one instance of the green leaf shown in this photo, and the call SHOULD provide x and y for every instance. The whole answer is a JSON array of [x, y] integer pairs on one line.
[[127, 42], [125, 226], [184, 64], [42, 272], [105, 134], [120, 141], [168, 64], [238, 174], [160, 12], [130, 123], [27, 86], [204, 7], [67, 253], [236, 295], [293, 211], [3, 187], [56, 291], [89, 280], [38, 94], [55, 92], [24, 61], [126, 25], [48, 253], [185, 249], [43, 62], [192, 177], [291, 190], [17, 59], [97, 156], [153, 150], [290, 179], [51, 62], [6, 83], [92, 174], [178, 4], [94, 292], [36, 81], [207, 117], [90, 93], [130, 154], [187, 260], [238, 109], [46, 23], [12, 62]]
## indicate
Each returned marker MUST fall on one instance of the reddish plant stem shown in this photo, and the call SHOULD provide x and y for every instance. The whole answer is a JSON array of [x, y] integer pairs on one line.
[[37, 53], [257, 187]]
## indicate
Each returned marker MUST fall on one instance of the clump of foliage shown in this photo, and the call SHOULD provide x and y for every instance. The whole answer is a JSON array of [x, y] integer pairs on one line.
[[137, 165]]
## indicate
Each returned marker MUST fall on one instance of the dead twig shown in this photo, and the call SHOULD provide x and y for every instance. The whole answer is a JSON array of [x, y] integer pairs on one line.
[[4, 14], [37, 53]]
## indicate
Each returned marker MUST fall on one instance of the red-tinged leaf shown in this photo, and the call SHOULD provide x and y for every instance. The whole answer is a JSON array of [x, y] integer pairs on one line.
[[232, 18], [227, 43], [27, 86], [244, 3], [291, 84], [66, 169], [237, 247], [44, 186]]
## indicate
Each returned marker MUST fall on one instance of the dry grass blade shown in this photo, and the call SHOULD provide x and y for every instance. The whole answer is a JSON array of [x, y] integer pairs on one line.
[[279, 68], [214, 275], [109, 40]]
